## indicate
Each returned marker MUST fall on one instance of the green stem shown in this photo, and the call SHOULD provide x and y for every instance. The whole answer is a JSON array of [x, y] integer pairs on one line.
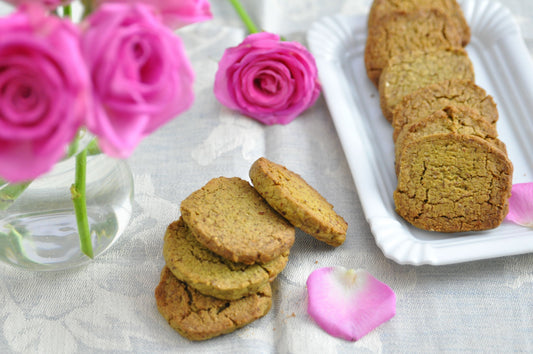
[[88, 7], [80, 203], [252, 28], [67, 11]]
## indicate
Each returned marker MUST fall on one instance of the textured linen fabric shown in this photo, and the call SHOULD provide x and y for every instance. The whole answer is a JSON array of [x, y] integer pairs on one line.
[[108, 305]]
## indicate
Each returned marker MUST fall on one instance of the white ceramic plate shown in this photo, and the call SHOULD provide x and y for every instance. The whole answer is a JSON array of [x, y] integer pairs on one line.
[[503, 68]]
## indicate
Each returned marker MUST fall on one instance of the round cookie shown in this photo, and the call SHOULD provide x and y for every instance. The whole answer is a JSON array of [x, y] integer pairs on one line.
[[298, 202], [461, 120], [410, 71], [381, 8], [231, 219], [403, 32], [453, 182], [211, 274], [199, 317], [428, 99]]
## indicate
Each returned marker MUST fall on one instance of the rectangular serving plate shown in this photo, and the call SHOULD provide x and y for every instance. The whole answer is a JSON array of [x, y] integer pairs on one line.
[[503, 67]]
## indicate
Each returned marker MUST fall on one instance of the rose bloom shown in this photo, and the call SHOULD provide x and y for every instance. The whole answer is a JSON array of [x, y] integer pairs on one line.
[[175, 13], [141, 76], [44, 91], [267, 79], [49, 4]]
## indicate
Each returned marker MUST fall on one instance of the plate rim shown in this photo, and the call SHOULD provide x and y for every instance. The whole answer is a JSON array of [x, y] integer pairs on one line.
[[328, 39]]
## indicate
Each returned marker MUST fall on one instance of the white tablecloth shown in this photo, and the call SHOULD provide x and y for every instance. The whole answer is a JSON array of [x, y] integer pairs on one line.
[[108, 305]]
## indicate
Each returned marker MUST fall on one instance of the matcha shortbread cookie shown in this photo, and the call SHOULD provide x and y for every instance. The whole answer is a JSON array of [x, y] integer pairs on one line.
[[211, 274], [453, 182], [428, 99], [451, 8], [229, 217], [399, 32], [298, 202], [200, 317], [461, 120], [408, 72]]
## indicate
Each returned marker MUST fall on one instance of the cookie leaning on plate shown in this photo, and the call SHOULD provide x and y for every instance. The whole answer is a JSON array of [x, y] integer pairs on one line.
[[211, 274], [200, 317], [461, 120], [298, 202], [452, 183], [408, 72], [429, 99], [230, 218], [451, 8], [403, 32]]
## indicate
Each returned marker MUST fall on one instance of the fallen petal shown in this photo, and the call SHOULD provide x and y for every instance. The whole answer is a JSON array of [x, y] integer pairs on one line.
[[521, 204], [348, 303]]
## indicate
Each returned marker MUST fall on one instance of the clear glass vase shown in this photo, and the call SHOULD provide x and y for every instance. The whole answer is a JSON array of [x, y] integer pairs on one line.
[[38, 230]]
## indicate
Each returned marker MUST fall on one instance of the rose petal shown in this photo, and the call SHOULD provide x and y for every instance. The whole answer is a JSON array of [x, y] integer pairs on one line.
[[348, 303], [521, 204]]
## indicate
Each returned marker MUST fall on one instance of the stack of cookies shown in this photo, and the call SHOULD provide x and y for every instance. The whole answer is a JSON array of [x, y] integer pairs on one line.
[[453, 171], [231, 242]]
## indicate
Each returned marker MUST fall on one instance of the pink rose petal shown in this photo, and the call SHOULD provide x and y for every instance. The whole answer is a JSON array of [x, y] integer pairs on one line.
[[521, 204], [348, 303]]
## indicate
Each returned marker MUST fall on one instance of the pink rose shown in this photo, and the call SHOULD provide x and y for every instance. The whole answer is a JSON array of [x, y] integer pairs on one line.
[[49, 4], [43, 92], [141, 76], [175, 13], [267, 79]]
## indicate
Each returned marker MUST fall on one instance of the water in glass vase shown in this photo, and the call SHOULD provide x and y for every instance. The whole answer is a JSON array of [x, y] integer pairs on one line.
[[38, 228]]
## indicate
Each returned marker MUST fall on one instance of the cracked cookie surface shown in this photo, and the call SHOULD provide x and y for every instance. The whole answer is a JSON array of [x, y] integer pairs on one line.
[[452, 183], [291, 196], [211, 274], [409, 72], [461, 120], [426, 100], [399, 32], [200, 317], [229, 217]]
